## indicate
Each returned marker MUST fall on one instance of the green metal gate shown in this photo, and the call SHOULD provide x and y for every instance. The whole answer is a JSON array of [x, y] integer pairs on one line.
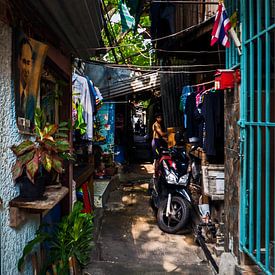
[[257, 122]]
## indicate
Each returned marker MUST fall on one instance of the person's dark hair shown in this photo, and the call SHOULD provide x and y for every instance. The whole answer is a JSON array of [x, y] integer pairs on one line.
[[26, 41], [157, 115]]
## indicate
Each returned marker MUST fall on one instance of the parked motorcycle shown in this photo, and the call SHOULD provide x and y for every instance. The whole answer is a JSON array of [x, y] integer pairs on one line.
[[170, 195]]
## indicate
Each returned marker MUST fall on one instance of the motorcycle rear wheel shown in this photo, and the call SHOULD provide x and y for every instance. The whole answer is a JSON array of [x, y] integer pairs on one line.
[[178, 219]]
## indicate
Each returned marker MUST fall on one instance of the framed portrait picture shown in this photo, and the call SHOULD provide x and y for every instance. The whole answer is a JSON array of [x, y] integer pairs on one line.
[[28, 60]]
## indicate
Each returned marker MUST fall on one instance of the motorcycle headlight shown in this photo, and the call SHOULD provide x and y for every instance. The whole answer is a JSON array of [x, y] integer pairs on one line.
[[183, 180], [171, 179]]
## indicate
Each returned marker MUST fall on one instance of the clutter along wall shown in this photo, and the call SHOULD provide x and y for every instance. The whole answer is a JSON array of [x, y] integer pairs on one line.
[[232, 169], [12, 241]]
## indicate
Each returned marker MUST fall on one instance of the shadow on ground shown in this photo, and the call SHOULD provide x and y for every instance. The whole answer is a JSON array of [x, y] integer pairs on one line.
[[130, 242]]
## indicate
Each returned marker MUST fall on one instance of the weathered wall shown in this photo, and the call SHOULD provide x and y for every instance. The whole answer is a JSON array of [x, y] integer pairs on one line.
[[232, 170], [171, 89], [12, 241]]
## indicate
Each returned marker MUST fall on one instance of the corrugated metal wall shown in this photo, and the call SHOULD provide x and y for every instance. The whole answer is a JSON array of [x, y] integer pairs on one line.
[[170, 87], [190, 14]]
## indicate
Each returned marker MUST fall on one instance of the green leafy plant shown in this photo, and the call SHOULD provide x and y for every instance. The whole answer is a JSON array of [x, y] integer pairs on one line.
[[81, 126], [50, 149], [72, 238]]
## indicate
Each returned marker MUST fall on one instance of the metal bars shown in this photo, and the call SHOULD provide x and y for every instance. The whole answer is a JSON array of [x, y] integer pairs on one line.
[[232, 56], [251, 129], [267, 147], [259, 133], [257, 128]]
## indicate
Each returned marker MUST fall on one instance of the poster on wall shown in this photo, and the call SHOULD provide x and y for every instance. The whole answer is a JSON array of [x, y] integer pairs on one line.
[[105, 135], [28, 56]]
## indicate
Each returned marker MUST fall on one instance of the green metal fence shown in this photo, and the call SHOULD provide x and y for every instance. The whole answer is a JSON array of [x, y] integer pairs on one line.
[[232, 56], [257, 122]]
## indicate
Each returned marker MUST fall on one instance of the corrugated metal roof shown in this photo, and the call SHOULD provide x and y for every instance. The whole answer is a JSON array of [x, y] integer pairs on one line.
[[76, 23], [115, 82], [140, 84]]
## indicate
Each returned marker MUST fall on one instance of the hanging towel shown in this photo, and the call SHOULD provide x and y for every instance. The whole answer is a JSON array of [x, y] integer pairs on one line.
[[81, 93], [186, 90]]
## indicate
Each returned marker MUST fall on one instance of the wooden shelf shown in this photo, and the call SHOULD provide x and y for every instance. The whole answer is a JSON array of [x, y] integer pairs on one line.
[[20, 208], [52, 197]]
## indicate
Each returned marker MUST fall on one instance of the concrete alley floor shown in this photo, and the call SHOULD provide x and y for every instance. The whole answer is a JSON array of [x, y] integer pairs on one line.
[[129, 240]]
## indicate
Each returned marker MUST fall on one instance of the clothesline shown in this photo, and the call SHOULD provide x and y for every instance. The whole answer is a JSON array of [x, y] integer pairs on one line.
[[185, 2], [204, 83], [210, 89]]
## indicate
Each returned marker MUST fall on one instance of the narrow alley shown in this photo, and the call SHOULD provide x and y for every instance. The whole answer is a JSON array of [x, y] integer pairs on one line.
[[129, 240], [137, 137]]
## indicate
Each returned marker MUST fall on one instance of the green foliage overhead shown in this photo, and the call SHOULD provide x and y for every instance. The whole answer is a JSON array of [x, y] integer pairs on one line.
[[132, 47]]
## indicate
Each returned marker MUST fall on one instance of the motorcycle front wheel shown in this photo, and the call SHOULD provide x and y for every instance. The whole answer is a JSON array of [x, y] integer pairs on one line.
[[177, 219]]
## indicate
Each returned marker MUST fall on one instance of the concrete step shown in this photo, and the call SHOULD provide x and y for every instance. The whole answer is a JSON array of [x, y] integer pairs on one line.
[[102, 189]]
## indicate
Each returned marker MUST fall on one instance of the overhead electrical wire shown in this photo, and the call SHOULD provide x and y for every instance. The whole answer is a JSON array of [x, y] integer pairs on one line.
[[90, 17], [113, 32], [171, 72], [187, 72], [159, 50], [157, 68], [181, 31], [191, 52], [152, 40], [108, 34], [185, 2], [161, 67]]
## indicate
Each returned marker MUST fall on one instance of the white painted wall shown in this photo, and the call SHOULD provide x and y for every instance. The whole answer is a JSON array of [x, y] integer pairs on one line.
[[12, 241]]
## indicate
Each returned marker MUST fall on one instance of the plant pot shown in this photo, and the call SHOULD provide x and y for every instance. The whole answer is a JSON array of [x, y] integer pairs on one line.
[[77, 135], [30, 191], [51, 177]]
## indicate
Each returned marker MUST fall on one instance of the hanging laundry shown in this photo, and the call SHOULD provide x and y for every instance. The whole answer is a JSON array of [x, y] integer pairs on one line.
[[127, 20], [213, 112], [99, 100], [100, 97], [81, 93], [92, 93], [96, 94], [74, 113], [199, 93], [186, 90], [192, 126], [80, 123]]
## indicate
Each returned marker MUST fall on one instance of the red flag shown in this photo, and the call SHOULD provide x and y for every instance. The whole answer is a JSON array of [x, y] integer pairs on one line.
[[221, 27]]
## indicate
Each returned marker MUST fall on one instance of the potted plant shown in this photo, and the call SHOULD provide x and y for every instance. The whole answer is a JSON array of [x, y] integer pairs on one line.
[[71, 238], [37, 158]]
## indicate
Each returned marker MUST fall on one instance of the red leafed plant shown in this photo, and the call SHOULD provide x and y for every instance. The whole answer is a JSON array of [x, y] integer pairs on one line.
[[50, 149]]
